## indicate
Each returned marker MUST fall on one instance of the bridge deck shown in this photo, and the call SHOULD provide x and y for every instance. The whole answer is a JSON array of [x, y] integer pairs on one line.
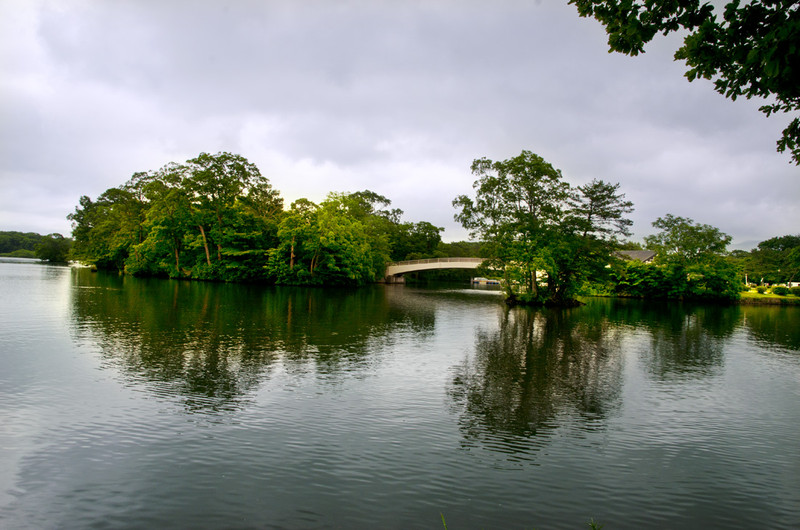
[[402, 267]]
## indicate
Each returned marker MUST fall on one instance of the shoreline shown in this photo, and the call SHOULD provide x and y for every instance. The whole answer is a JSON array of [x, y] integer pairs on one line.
[[744, 300], [768, 301]]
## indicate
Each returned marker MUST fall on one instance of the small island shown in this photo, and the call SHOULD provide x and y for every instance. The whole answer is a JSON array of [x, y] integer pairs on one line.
[[546, 241]]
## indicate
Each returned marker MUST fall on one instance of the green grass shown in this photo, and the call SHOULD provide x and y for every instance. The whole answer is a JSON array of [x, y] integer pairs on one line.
[[753, 294], [769, 298]]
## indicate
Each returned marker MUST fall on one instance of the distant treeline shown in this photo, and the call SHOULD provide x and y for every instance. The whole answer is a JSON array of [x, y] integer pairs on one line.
[[15, 241], [52, 247], [215, 217]]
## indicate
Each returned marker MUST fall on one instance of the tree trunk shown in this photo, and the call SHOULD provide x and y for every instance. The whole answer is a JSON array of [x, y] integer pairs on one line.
[[291, 256], [219, 247], [313, 263], [508, 286], [205, 244]]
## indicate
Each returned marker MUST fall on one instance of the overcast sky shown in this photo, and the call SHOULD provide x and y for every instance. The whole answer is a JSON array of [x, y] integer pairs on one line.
[[393, 96]]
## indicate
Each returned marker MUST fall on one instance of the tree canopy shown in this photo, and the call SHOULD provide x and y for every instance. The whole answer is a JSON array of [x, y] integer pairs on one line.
[[775, 260], [15, 241], [681, 239], [546, 236], [53, 247], [215, 217], [752, 50], [690, 262]]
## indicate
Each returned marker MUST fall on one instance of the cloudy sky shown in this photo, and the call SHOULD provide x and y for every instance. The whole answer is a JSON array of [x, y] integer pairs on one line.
[[393, 96]]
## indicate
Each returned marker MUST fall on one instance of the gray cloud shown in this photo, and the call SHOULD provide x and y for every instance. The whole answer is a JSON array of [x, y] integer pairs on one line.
[[397, 97]]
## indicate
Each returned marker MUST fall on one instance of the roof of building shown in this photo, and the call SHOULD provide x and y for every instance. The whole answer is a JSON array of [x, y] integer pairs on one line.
[[641, 255]]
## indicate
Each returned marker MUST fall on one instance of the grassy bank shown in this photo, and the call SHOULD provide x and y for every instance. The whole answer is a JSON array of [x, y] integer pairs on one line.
[[754, 298]]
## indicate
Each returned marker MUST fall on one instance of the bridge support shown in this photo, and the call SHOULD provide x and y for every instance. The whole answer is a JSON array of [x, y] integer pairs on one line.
[[395, 279]]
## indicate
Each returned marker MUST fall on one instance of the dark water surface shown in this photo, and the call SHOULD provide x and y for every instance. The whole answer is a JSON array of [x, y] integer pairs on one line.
[[130, 403]]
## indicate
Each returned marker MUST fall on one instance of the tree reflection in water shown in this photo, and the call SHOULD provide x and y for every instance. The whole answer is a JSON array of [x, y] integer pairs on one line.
[[774, 327], [540, 370], [213, 344], [687, 340]]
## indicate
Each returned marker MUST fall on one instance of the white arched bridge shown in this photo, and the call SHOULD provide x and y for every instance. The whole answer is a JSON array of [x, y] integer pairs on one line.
[[395, 271]]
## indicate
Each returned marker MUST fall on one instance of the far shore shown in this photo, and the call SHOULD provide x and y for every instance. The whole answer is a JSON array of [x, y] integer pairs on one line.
[[753, 298]]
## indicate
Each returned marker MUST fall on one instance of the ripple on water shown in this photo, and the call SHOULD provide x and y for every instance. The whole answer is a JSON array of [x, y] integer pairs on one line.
[[394, 427]]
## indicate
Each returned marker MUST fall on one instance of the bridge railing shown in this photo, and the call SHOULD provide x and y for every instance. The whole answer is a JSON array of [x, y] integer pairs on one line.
[[437, 260]]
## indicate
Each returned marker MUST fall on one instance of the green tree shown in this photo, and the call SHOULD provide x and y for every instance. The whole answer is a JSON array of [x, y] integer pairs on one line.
[[349, 252], [461, 249], [247, 240], [293, 260], [597, 215], [371, 211], [536, 224], [217, 202], [84, 220], [54, 248], [328, 244], [216, 218], [630, 245], [17, 241], [776, 260], [693, 258], [634, 278], [364, 204], [168, 221], [518, 204], [684, 241], [415, 241], [750, 51], [215, 182], [106, 231], [742, 260]]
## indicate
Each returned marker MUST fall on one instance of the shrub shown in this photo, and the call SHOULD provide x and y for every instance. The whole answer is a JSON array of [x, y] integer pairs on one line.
[[761, 290], [796, 291], [780, 291]]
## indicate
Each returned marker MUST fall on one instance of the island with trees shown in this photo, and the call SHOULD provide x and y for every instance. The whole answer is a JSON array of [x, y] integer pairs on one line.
[[553, 241], [216, 218]]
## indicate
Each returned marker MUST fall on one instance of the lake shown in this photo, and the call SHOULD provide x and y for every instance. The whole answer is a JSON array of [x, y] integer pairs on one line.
[[146, 403]]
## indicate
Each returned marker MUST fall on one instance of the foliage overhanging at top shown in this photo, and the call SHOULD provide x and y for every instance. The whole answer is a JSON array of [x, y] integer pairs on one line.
[[752, 51]]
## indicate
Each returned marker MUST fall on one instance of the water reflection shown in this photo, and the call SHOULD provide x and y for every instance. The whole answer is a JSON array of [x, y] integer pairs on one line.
[[773, 326], [214, 343], [639, 415], [540, 372], [537, 372], [683, 340], [688, 341]]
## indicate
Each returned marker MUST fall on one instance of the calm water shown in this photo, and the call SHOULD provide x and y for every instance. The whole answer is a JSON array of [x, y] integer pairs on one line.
[[154, 403]]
